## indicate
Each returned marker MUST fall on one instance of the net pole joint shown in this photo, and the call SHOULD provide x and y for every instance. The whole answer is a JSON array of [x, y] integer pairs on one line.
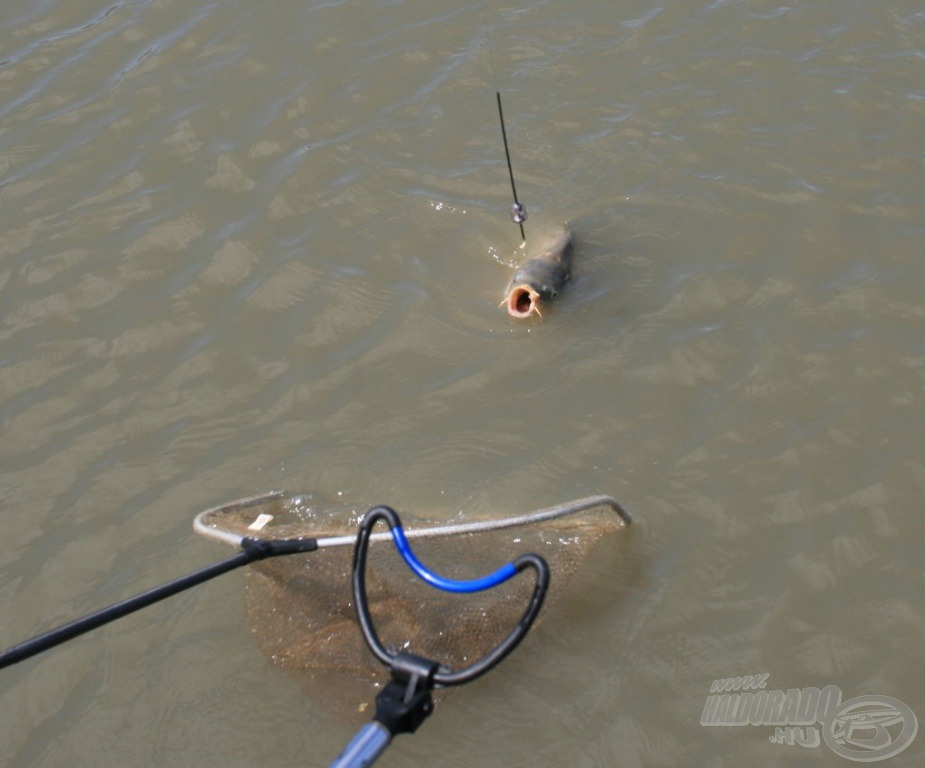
[[406, 702]]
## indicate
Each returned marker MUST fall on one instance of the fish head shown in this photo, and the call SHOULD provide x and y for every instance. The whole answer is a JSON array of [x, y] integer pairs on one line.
[[522, 300]]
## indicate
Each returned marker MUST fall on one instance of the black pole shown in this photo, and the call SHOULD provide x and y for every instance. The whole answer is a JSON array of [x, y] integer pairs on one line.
[[510, 169], [254, 549]]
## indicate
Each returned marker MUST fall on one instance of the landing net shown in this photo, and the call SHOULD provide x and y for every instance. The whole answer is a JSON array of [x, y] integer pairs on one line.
[[300, 607]]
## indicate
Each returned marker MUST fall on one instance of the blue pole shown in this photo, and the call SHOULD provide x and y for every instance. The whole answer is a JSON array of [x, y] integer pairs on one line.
[[370, 742]]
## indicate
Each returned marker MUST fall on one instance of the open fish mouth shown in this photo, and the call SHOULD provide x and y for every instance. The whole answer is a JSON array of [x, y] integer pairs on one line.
[[522, 301], [540, 278]]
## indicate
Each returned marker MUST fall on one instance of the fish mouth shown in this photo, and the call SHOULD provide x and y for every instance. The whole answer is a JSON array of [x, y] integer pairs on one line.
[[522, 301]]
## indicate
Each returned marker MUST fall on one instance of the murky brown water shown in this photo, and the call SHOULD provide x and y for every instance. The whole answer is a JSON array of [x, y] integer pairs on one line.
[[248, 246]]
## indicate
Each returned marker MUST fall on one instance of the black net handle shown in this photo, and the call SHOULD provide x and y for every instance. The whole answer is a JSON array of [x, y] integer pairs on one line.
[[443, 677], [253, 549]]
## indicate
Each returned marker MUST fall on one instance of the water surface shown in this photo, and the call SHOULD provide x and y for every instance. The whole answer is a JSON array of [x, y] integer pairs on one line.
[[246, 247]]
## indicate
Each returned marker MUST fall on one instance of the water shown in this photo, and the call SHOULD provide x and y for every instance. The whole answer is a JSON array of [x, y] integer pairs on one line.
[[246, 247]]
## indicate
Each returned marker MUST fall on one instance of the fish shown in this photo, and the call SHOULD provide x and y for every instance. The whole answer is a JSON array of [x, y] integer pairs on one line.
[[540, 278]]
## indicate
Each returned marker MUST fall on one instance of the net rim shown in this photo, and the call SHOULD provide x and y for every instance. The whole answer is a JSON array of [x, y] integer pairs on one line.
[[216, 533]]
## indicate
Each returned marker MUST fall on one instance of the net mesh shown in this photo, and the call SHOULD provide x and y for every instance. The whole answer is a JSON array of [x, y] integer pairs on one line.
[[300, 607]]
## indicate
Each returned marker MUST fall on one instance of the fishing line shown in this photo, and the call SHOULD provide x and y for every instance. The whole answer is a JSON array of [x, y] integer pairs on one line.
[[518, 210]]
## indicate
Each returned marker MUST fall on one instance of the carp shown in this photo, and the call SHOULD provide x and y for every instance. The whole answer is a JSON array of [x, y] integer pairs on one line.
[[540, 278]]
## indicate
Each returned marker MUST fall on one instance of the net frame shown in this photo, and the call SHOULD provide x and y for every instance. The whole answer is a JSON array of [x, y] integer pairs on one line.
[[205, 522], [300, 608]]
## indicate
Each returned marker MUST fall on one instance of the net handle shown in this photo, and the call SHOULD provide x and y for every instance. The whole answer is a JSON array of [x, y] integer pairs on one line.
[[253, 549], [444, 676]]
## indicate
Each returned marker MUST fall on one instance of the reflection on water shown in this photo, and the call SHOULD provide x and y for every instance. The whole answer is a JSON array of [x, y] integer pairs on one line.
[[247, 248]]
